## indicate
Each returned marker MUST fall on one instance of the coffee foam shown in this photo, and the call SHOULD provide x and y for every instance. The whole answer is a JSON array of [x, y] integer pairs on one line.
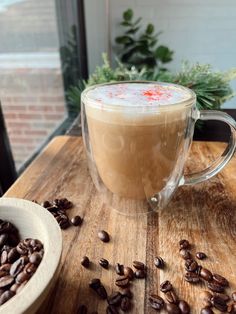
[[138, 94]]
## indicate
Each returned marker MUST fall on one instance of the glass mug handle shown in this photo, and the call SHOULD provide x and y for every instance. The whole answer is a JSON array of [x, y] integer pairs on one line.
[[221, 161]]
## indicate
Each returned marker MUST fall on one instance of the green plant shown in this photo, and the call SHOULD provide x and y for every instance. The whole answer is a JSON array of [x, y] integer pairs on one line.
[[139, 46], [211, 87]]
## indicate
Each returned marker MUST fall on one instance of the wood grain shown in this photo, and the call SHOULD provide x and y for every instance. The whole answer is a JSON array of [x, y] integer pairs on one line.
[[205, 214]]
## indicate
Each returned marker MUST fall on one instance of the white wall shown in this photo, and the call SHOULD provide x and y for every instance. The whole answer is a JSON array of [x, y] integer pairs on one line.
[[197, 30]]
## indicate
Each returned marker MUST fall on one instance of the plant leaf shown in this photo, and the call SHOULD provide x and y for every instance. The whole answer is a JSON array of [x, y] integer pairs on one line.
[[164, 54], [128, 14], [150, 29]]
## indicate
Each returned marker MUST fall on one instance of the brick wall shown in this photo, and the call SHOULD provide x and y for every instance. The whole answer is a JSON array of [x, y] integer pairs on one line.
[[33, 105]]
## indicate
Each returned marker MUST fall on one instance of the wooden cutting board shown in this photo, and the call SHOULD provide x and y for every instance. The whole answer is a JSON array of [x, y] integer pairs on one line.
[[204, 214]]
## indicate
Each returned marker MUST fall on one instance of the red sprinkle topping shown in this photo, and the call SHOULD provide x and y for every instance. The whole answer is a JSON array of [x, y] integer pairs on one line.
[[156, 94]]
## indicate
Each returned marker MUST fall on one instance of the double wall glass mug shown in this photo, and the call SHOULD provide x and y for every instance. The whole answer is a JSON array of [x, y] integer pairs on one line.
[[137, 136]]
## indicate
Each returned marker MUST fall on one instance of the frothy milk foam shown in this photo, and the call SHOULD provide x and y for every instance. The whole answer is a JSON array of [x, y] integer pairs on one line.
[[137, 133]]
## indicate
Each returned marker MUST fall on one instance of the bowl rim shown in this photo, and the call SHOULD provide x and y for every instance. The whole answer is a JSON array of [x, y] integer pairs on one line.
[[39, 282]]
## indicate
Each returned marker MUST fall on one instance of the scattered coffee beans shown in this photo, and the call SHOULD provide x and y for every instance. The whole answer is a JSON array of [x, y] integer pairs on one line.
[[185, 254], [159, 262], [103, 236], [191, 277], [171, 297], [215, 287], [206, 310], [184, 307], [219, 303], [125, 304], [140, 274], [122, 281], [104, 263], [220, 280], [119, 269], [128, 272], [191, 265], [19, 260], [205, 274], [98, 287], [156, 302], [138, 265], [76, 221], [172, 308], [166, 286], [200, 255], [85, 261], [184, 244], [115, 299]]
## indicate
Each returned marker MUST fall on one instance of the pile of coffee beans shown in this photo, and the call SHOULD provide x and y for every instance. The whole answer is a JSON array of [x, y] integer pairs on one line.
[[58, 208], [19, 260], [195, 273], [170, 302]]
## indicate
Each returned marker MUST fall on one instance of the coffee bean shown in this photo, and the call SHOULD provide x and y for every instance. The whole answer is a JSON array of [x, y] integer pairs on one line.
[[35, 258], [46, 204], [6, 281], [85, 262], [122, 281], [184, 244], [215, 287], [30, 268], [3, 239], [103, 236], [114, 299], [22, 249], [4, 257], [159, 262], [191, 265], [198, 270], [206, 310], [127, 293], [21, 277], [140, 274], [200, 255], [171, 297], [128, 272], [185, 254], [111, 309], [234, 296], [223, 296], [138, 265], [64, 222], [104, 263], [220, 280], [95, 283], [172, 308], [184, 307], [13, 255], [166, 286], [119, 269], [156, 302], [101, 291], [76, 221], [206, 274], [219, 303], [125, 304], [17, 267], [82, 309], [7, 295], [191, 277]]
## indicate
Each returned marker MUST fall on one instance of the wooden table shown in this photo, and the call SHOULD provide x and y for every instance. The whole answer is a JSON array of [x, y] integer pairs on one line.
[[204, 214]]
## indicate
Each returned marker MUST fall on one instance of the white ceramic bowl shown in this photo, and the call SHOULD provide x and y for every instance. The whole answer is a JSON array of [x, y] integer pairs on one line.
[[33, 221]]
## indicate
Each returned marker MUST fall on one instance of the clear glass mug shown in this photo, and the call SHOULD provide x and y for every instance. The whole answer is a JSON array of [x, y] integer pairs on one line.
[[137, 136]]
